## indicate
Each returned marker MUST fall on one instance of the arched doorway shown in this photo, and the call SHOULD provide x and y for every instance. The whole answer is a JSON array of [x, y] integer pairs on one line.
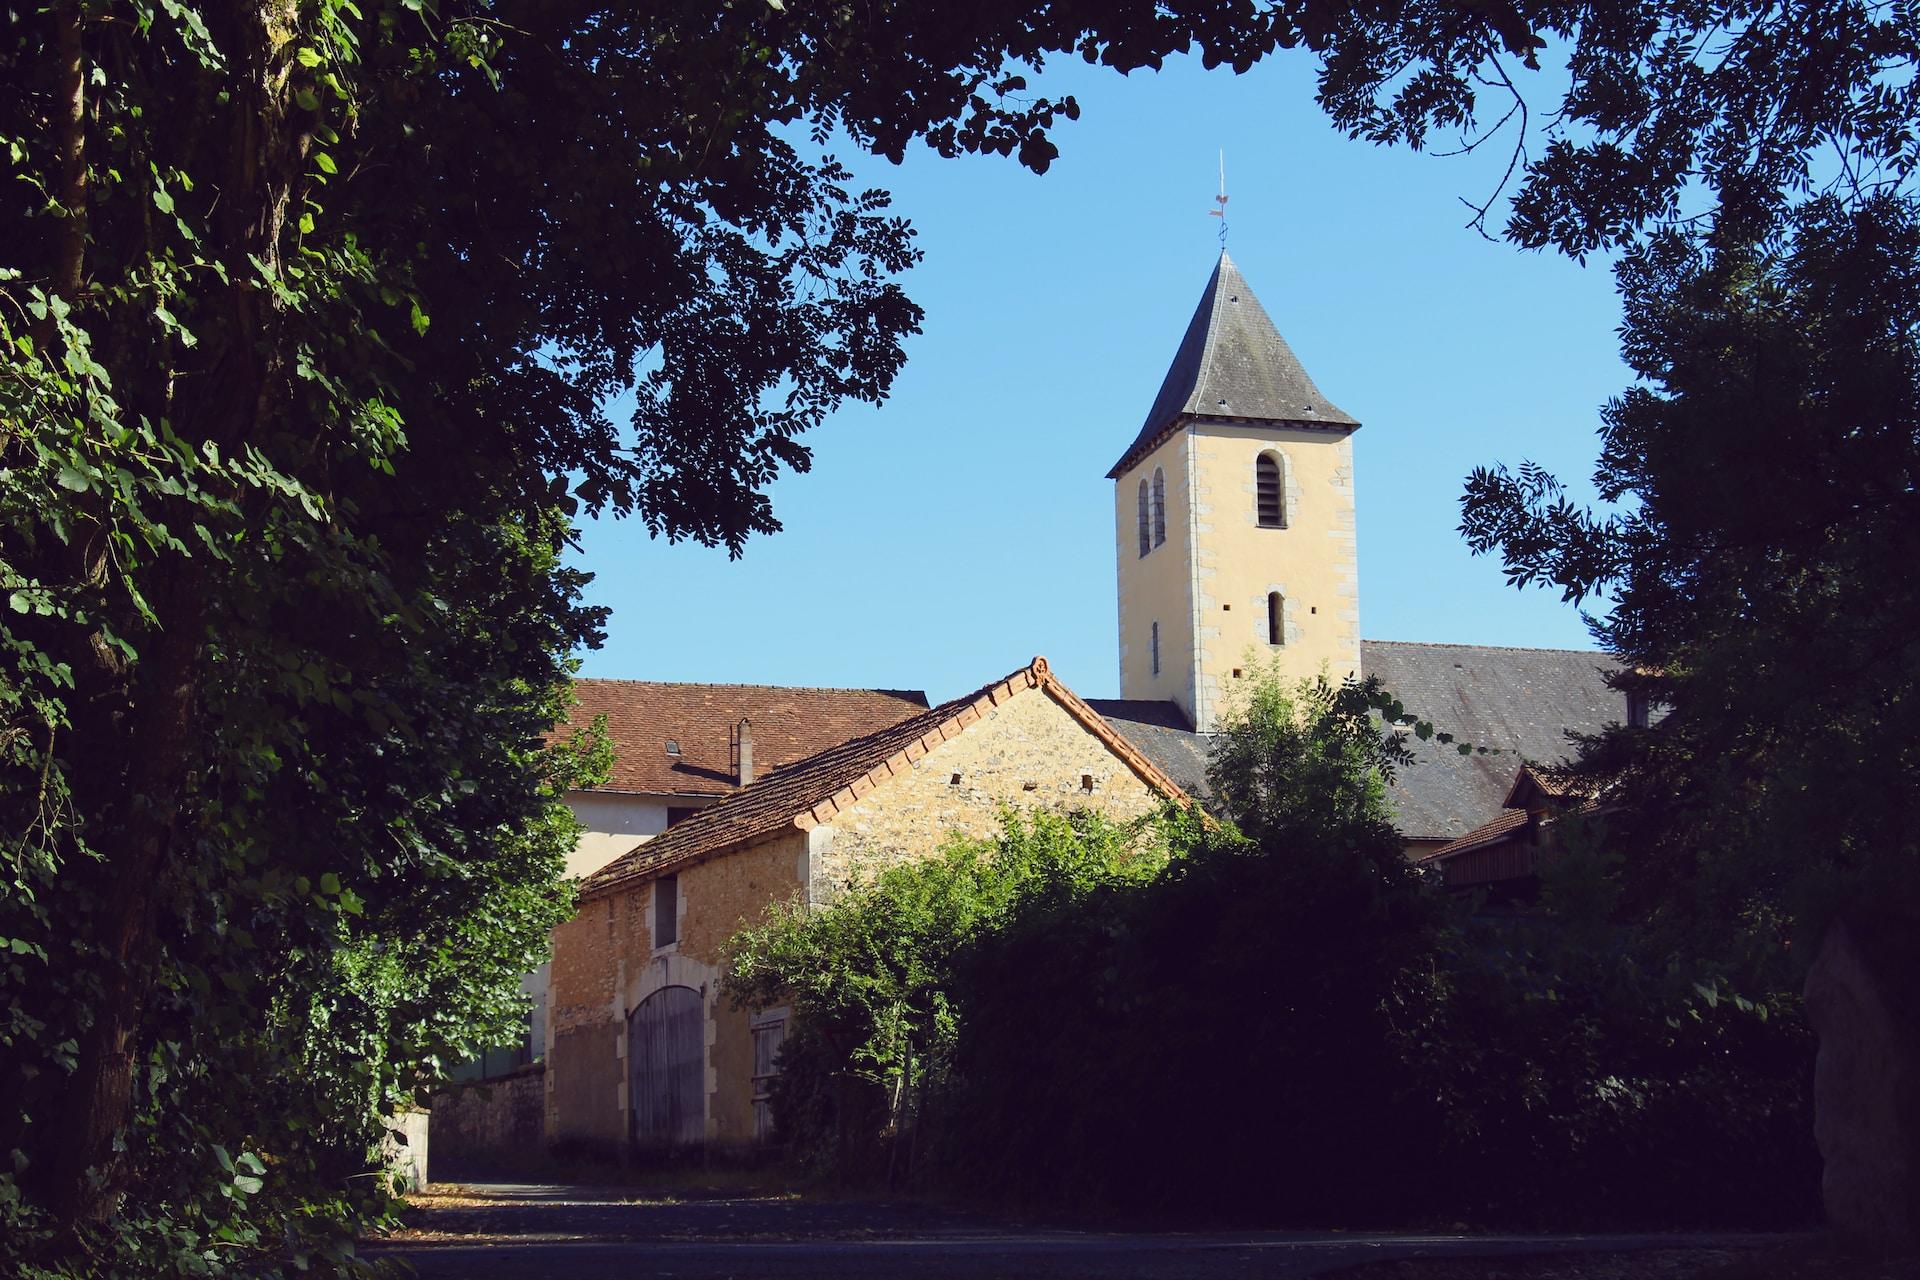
[[666, 1069]]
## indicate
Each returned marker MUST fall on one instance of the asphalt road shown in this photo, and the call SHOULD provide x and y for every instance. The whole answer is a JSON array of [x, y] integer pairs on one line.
[[556, 1233]]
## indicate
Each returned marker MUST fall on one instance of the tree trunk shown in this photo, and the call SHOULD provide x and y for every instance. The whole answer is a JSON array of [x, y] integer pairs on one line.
[[148, 758], [159, 743], [70, 139]]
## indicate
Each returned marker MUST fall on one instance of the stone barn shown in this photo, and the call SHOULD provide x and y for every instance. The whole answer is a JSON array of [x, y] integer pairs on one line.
[[642, 1051]]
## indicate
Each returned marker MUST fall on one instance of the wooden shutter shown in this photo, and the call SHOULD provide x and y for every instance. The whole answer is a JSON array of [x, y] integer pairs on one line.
[[767, 1039], [1267, 497]]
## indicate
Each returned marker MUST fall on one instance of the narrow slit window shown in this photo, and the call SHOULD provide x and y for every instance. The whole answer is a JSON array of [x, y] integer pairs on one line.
[[666, 911], [1153, 646], [1146, 539], [1159, 506], [1270, 502], [1276, 618]]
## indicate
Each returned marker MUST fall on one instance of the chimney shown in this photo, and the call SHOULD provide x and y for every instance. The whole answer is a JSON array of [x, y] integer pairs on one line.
[[743, 773]]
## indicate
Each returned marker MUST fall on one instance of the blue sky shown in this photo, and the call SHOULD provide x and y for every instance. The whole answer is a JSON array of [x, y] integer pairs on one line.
[[950, 535]]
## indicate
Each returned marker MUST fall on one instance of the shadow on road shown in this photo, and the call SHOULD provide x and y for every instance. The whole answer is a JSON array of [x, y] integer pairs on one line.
[[530, 1231]]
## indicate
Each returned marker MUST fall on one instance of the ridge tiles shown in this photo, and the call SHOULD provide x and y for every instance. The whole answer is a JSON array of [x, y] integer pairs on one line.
[[811, 791], [1232, 364]]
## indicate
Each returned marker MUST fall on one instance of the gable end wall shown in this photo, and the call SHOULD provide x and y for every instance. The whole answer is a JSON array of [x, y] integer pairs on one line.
[[1028, 739], [604, 965]]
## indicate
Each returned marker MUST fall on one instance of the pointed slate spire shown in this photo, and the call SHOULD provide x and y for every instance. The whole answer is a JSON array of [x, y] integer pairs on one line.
[[1232, 364]]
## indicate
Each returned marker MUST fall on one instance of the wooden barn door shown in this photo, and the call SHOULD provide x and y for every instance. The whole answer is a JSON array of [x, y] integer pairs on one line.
[[666, 1068]]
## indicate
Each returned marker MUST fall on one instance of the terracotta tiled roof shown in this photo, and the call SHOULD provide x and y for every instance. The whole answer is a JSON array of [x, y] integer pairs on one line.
[[812, 791], [1553, 784], [789, 724], [1509, 821]]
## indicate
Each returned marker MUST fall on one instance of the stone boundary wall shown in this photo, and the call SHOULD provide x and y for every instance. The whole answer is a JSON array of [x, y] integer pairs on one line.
[[490, 1124], [403, 1147]]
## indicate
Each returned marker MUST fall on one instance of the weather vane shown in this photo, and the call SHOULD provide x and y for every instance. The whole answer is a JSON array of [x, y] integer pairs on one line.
[[1220, 201]]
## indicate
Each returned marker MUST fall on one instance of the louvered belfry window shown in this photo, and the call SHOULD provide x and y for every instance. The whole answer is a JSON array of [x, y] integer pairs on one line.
[[1159, 506], [1146, 543], [1269, 499]]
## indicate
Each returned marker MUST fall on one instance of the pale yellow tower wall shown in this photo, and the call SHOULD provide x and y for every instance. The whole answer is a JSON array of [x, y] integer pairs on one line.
[[1207, 585], [1313, 562], [1159, 586]]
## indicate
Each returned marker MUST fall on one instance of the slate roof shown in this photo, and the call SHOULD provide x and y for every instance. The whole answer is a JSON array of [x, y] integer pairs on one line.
[[789, 724], [1520, 701], [811, 791], [1232, 364], [1161, 730]]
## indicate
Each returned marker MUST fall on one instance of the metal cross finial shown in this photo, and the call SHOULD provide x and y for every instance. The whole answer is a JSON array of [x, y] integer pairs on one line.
[[1220, 201]]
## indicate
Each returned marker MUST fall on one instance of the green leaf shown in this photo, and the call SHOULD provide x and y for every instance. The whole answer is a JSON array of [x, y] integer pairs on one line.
[[70, 478], [307, 101], [324, 162], [330, 885], [307, 57]]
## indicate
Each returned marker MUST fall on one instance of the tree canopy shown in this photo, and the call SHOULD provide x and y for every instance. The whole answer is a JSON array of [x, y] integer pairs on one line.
[[1756, 569]]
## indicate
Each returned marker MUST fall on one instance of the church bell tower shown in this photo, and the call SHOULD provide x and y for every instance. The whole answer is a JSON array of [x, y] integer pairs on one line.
[[1234, 516]]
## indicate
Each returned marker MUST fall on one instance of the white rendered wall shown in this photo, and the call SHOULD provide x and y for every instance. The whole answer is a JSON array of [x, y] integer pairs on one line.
[[614, 824]]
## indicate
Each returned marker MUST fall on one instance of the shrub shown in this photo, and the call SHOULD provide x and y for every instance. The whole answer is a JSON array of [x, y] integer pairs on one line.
[[869, 977], [1276, 1020]]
